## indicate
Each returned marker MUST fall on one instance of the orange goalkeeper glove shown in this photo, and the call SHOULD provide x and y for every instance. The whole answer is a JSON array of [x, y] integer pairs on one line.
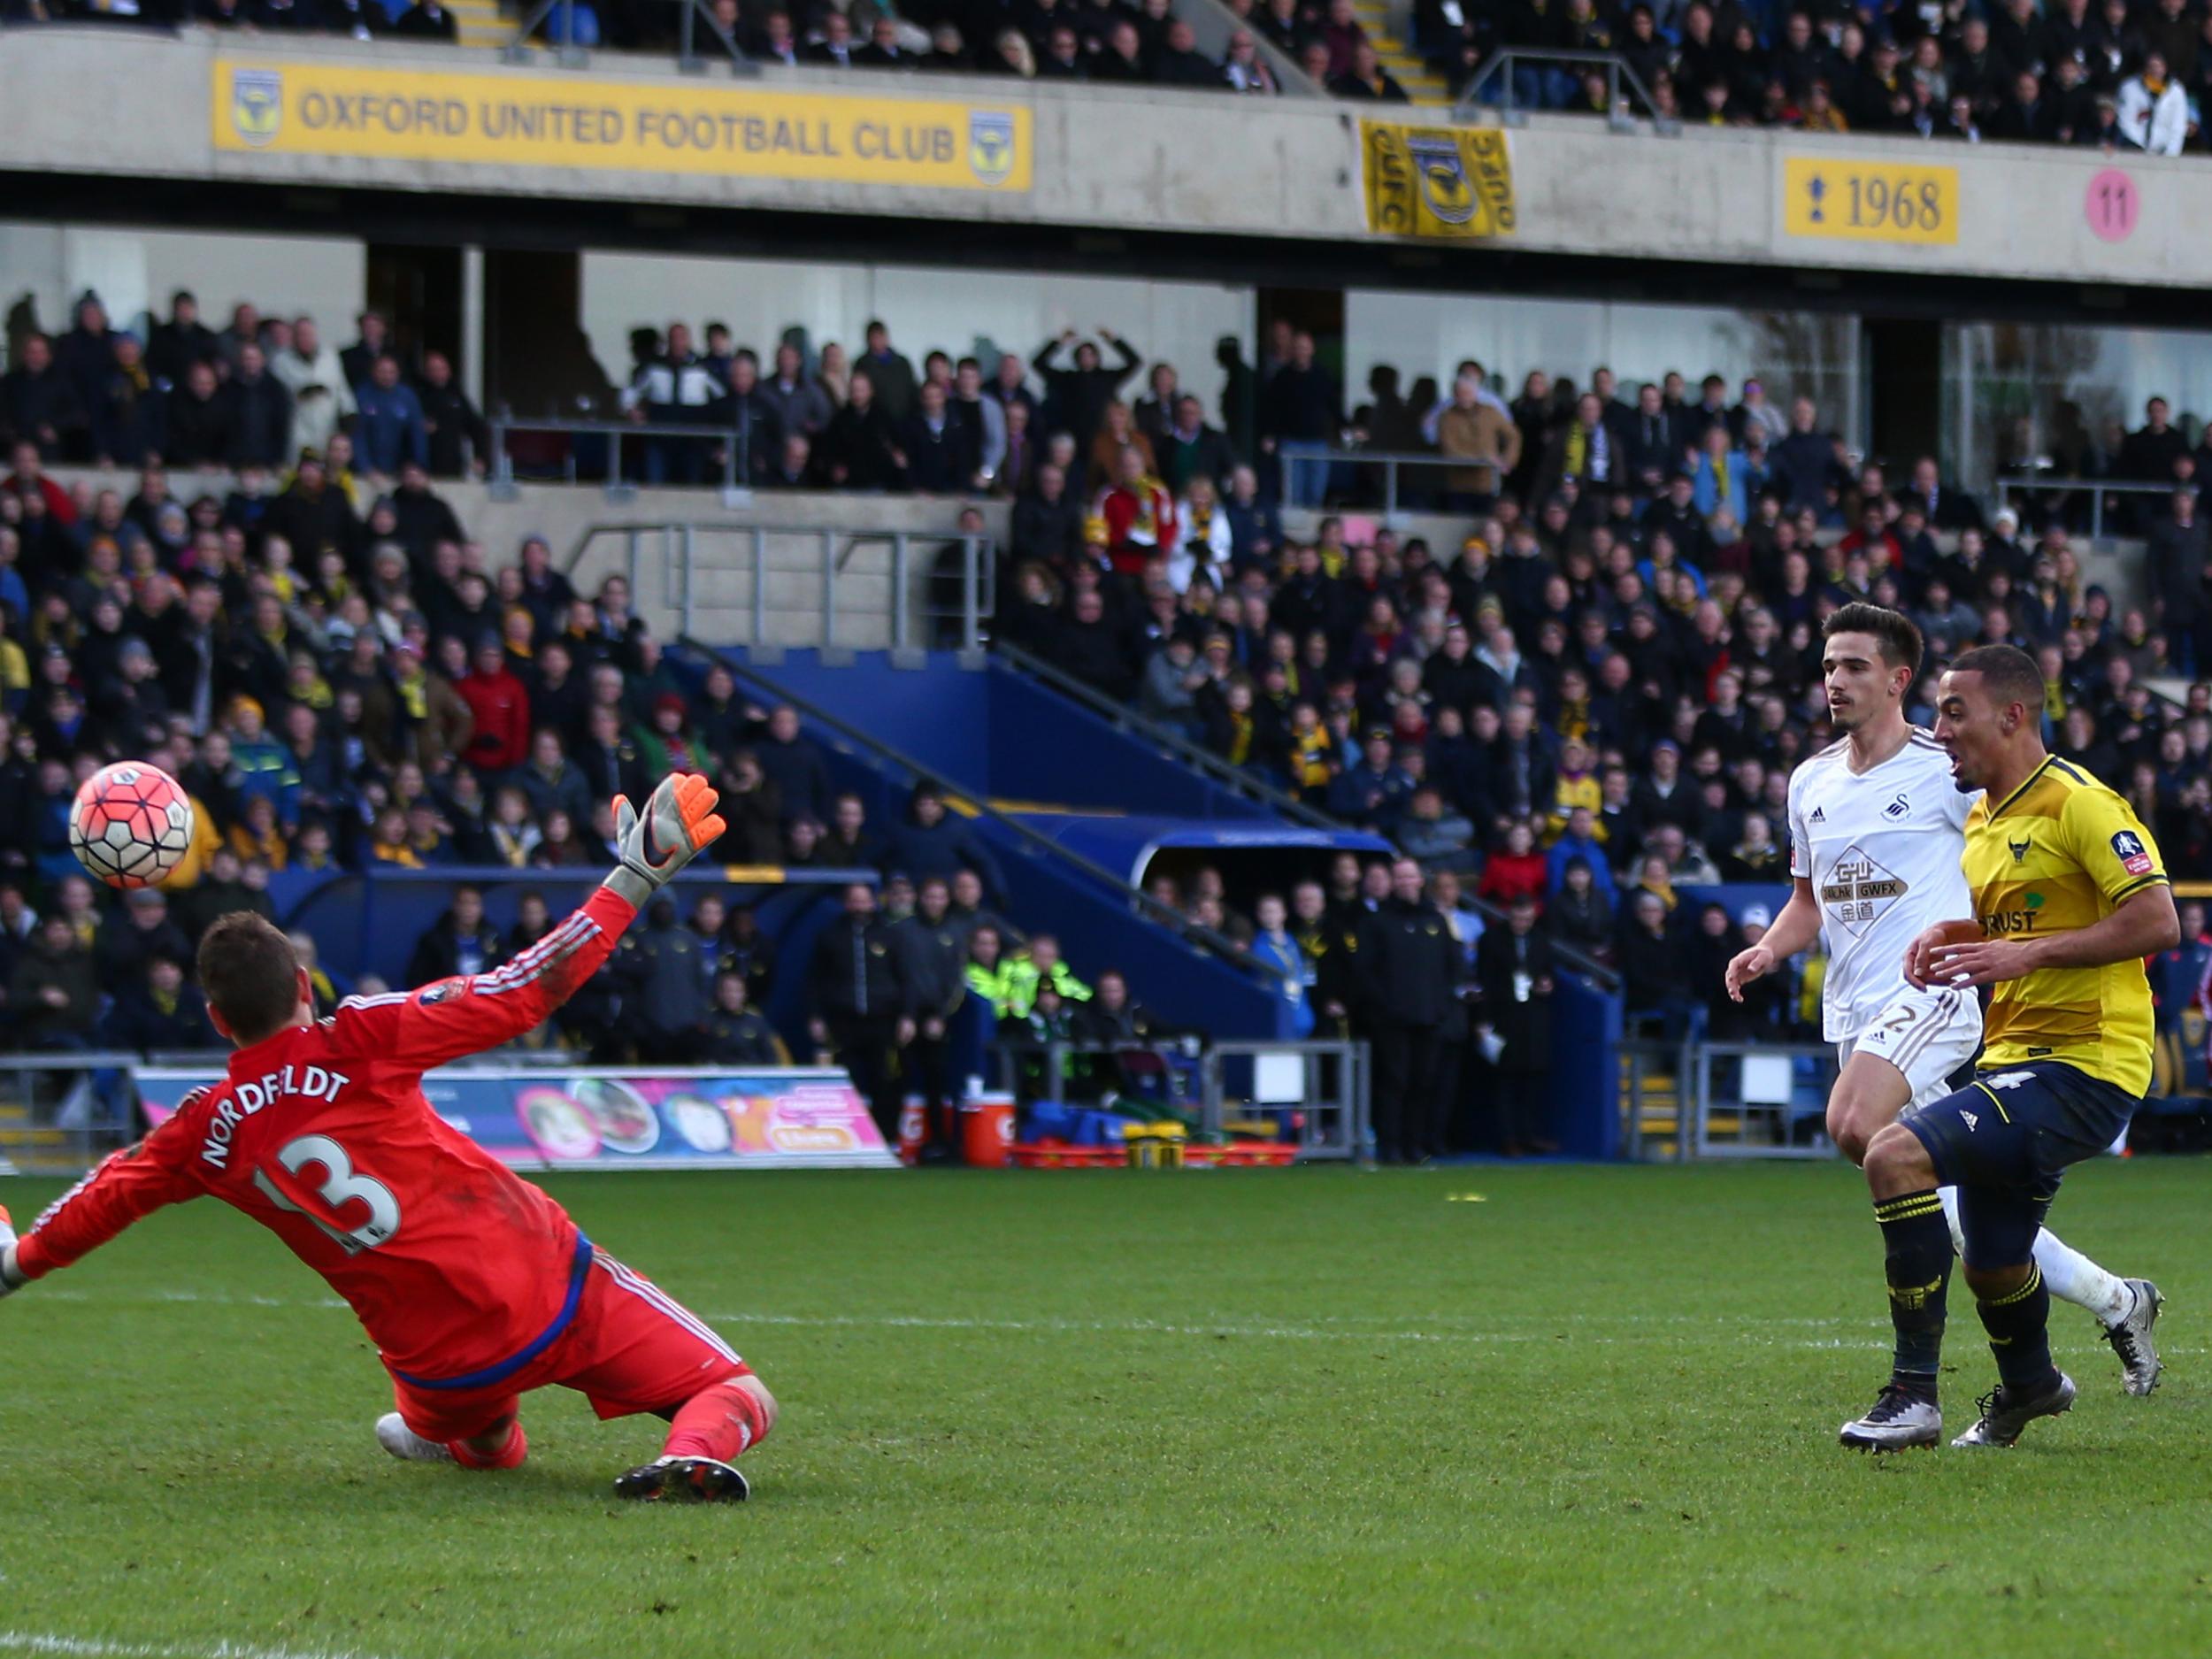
[[678, 821]]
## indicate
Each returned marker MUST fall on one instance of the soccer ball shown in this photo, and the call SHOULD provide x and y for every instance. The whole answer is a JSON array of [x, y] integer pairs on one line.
[[130, 823]]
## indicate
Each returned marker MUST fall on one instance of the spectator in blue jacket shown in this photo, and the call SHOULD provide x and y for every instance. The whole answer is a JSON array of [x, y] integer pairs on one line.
[[1374, 793], [933, 842], [551, 783], [1723, 478], [388, 425], [130, 417], [49, 825], [1579, 840], [1256, 528], [14, 592], [158, 1009], [265, 765], [1274, 946], [1804, 463], [793, 763], [2177, 980]]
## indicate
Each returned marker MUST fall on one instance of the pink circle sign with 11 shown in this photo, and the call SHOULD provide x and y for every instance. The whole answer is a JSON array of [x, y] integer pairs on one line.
[[2113, 205]]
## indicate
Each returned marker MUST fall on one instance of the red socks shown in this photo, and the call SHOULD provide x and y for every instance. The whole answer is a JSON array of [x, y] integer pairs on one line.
[[508, 1456], [723, 1423]]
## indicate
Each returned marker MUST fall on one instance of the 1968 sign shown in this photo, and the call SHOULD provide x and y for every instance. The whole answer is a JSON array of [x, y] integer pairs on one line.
[[1868, 201]]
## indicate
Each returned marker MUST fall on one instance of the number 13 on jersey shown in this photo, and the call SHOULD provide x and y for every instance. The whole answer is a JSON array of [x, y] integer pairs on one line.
[[341, 1184]]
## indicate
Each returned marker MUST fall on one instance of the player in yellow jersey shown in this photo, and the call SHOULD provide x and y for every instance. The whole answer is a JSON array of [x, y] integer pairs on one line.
[[2069, 896]]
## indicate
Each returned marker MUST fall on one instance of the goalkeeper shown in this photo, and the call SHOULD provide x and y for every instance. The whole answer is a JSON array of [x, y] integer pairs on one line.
[[475, 1285]]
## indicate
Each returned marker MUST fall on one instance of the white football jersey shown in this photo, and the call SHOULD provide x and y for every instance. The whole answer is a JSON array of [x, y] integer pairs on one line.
[[1882, 850]]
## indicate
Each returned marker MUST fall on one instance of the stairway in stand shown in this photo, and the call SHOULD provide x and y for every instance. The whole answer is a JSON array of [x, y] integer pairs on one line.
[[479, 23], [1652, 1113], [1427, 88], [23, 1145]]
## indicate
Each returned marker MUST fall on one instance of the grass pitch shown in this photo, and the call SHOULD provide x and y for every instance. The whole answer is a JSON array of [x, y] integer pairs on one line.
[[1562, 1411]]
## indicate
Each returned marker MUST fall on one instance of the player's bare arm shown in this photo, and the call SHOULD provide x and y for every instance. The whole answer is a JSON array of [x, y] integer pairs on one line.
[[1919, 955], [2146, 924], [1795, 928]]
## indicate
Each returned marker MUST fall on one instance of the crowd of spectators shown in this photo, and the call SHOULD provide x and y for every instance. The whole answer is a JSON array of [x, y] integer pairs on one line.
[[337, 692], [828, 419], [1595, 700], [342, 678], [1100, 41], [246, 400], [2122, 75], [1103, 40], [363, 19], [2119, 74], [1586, 708]]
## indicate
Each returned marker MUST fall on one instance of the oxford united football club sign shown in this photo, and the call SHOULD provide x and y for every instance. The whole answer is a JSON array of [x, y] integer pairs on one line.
[[539, 121]]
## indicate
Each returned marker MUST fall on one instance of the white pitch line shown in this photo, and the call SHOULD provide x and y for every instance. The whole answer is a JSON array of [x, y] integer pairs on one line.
[[1578, 1331], [1044, 1327], [88, 1647], [1118, 1327], [190, 1298]]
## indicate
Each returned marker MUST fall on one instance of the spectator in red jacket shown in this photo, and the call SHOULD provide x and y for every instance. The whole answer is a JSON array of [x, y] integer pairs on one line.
[[1139, 516], [29, 478], [501, 704], [1515, 871], [1875, 538]]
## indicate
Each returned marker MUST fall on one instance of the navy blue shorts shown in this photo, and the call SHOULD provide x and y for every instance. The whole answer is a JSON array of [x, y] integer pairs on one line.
[[2005, 1140]]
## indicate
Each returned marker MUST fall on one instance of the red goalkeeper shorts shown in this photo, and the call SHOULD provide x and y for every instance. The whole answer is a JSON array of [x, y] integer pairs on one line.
[[629, 1347]]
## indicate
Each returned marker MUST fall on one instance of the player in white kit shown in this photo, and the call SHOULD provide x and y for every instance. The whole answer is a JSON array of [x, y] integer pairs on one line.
[[1876, 827]]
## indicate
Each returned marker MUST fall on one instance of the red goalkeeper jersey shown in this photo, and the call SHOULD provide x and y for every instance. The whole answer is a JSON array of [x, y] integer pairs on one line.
[[461, 1271]]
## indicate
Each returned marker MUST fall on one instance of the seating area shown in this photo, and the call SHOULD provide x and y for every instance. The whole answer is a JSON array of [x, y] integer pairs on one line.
[[2124, 76], [1584, 687]]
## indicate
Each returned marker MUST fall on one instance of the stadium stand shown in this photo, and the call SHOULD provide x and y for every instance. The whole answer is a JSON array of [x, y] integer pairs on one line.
[[2120, 77], [1148, 44], [1550, 635], [1226, 633], [1591, 697]]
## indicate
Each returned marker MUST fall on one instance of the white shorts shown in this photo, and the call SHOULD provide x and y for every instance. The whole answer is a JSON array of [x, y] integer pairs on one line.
[[1925, 1034]]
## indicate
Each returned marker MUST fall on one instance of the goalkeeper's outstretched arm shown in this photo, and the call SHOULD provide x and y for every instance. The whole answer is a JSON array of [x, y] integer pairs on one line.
[[430, 1026], [421, 1028], [127, 1187]]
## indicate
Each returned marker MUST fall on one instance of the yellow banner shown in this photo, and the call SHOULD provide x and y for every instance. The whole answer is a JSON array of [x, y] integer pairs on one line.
[[1869, 201], [1437, 181], [535, 120]]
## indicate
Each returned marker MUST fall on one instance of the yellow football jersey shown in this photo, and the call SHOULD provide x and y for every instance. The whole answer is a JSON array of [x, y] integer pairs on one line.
[[2059, 854]]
